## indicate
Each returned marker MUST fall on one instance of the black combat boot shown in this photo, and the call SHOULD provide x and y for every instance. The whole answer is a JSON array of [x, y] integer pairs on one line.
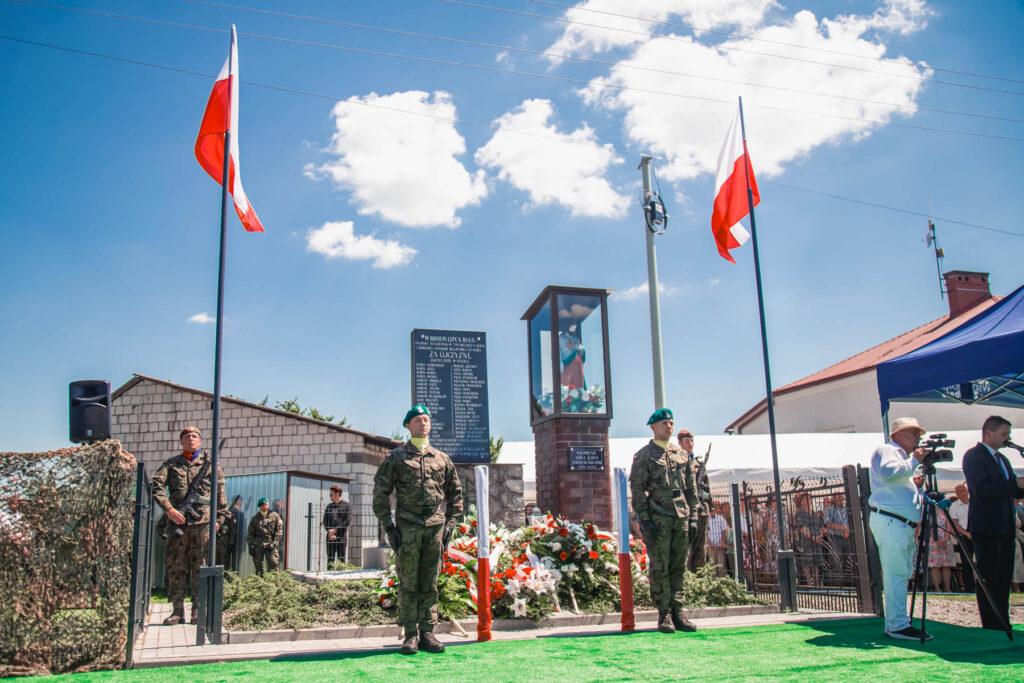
[[665, 622], [177, 616], [410, 644], [682, 623], [430, 643]]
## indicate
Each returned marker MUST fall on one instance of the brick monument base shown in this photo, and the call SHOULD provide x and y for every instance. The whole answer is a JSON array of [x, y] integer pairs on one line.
[[574, 495]]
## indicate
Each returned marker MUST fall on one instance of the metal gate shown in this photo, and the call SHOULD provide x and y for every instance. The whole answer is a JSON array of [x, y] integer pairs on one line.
[[825, 526], [141, 561]]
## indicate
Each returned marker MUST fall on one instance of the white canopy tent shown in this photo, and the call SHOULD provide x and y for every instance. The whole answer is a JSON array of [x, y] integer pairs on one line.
[[747, 457]]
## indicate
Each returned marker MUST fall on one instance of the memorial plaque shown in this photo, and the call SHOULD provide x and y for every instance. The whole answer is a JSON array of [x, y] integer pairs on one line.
[[449, 376], [586, 458]]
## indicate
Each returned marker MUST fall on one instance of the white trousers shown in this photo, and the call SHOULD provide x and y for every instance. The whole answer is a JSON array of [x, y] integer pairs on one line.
[[895, 541]]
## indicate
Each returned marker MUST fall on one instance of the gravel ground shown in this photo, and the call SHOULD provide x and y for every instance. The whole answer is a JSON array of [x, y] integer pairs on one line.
[[964, 612]]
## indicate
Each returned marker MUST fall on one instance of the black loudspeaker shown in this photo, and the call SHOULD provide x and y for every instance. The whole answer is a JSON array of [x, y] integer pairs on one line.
[[90, 410]]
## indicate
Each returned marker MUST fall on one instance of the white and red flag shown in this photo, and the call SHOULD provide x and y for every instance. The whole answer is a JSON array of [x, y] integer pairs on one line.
[[221, 116], [731, 204]]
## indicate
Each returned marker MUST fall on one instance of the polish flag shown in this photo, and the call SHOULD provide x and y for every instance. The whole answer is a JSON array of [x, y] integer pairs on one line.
[[731, 192], [222, 116]]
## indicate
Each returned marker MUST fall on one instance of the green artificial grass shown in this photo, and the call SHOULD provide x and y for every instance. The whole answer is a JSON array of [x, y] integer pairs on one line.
[[851, 650]]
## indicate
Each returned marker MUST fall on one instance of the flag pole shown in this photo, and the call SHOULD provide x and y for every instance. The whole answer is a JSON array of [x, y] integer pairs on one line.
[[210, 625], [787, 597]]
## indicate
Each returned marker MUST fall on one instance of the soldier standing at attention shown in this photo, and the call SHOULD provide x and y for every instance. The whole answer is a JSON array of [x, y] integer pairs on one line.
[[188, 537], [428, 502], [265, 533], [662, 483]]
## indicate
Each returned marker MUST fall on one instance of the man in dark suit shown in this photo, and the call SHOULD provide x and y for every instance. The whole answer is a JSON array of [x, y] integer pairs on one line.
[[992, 486]]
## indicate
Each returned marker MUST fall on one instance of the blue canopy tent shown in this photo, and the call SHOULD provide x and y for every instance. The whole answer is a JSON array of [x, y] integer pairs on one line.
[[980, 362]]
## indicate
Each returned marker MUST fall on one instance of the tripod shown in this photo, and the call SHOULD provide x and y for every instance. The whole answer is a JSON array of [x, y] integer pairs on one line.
[[934, 501]]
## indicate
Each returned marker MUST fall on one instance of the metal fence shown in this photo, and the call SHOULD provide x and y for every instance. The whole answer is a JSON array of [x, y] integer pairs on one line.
[[823, 524], [141, 561]]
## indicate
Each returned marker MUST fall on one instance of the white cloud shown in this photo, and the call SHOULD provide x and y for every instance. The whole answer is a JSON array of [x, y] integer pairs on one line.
[[337, 239], [595, 32], [201, 318], [402, 168], [634, 293], [689, 132], [554, 167]]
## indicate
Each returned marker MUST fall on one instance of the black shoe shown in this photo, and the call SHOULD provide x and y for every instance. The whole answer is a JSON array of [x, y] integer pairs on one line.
[[908, 633], [665, 623], [177, 617], [682, 623], [409, 645], [430, 643]]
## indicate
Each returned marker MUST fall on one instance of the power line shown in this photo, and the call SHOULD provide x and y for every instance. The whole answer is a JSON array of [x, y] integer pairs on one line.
[[720, 46], [562, 79], [587, 60], [727, 34], [491, 126]]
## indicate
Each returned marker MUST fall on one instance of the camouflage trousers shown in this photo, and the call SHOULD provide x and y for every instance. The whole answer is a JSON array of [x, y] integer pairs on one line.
[[668, 561], [184, 555], [419, 564], [698, 556], [271, 555]]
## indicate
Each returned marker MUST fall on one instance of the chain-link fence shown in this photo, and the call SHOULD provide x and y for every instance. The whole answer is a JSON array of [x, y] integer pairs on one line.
[[65, 550]]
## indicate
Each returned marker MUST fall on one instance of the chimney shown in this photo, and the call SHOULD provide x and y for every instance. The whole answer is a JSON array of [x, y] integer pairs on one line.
[[965, 289]]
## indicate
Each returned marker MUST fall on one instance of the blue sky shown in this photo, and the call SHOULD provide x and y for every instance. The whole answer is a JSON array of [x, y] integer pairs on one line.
[[380, 221]]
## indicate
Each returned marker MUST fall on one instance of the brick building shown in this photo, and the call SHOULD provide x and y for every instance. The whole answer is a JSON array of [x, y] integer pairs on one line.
[[147, 414]]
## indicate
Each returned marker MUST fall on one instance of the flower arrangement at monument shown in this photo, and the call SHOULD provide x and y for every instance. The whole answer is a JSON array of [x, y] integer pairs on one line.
[[551, 565]]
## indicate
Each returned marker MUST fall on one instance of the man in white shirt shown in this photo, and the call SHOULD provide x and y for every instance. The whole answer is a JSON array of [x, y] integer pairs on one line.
[[895, 504], [958, 513], [718, 525]]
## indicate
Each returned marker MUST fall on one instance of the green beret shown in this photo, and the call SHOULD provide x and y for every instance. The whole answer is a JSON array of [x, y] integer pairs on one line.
[[262, 501], [418, 409], [659, 415]]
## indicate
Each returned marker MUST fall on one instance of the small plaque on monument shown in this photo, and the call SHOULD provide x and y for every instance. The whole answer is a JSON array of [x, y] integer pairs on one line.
[[449, 376], [586, 458]]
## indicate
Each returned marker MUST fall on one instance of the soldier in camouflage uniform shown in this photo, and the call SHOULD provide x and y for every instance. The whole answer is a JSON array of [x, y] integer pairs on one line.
[[264, 536], [188, 539], [663, 487], [697, 556], [428, 499], [227, 535]]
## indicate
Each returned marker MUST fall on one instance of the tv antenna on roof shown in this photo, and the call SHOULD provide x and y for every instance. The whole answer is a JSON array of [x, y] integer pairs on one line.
[[932, 239]]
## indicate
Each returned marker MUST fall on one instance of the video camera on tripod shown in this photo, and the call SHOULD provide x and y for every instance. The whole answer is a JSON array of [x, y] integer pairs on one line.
[[937, 449]]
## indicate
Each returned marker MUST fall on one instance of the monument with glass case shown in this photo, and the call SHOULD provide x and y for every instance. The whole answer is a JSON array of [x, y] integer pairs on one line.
[[571, 400]]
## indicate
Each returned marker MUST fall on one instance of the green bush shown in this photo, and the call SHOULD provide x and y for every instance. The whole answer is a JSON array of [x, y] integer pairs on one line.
[[278, 601], [703, 588]]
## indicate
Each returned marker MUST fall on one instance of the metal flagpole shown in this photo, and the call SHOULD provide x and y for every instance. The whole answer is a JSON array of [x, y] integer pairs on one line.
[[652, 287], [786, 570], [211, 624]]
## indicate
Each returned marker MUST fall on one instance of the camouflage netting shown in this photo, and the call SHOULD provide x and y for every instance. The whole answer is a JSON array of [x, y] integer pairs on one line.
[[65, 555]]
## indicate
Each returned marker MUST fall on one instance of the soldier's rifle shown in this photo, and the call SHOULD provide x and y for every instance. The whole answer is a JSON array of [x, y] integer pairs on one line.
[[192, 498]]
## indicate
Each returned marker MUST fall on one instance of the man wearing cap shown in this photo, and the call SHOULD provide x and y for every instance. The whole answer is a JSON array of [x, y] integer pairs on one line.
[[428, 502], [188, 538], [663, 486], [697, 554], [336, 522], [264, 536], [895, 504]]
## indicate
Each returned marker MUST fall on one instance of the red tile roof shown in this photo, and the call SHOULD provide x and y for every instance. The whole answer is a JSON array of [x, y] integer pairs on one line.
[[867, 360]]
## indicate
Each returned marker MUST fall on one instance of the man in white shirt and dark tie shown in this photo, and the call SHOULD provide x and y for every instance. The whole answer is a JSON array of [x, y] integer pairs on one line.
[[992, 486]]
